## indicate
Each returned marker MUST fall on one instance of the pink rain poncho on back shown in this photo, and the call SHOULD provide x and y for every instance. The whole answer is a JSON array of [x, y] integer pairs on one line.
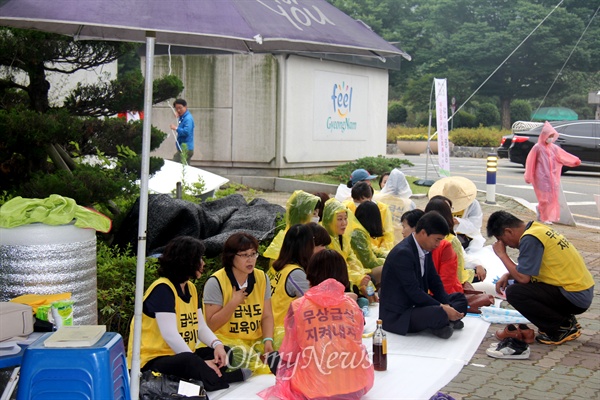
[[543, 168], [322, 355]]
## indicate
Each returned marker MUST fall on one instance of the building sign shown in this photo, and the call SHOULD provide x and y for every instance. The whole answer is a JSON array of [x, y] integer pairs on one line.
[[340, 106]]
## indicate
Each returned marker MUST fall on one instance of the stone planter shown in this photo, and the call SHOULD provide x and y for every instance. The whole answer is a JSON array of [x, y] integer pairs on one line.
[[415, 147]]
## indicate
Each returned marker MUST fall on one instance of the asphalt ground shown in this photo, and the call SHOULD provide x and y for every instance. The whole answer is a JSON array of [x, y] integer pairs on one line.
[[567, 371]]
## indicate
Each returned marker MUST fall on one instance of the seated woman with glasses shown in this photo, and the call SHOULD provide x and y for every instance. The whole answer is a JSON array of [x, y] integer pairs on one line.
[[237, 303]]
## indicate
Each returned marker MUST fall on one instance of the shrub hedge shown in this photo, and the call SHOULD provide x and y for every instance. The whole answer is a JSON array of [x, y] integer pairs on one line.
[[375, 165], [475, 137]]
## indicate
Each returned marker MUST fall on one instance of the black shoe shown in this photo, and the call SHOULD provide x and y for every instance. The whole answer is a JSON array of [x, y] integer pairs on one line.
[[457, 325], [444, 333], [571, 323], [561, 336]]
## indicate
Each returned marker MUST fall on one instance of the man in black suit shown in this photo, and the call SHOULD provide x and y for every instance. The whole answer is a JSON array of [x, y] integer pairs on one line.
[[408, 278]]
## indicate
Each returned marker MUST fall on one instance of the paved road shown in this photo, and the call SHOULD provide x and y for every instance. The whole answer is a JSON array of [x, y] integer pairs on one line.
[[579, 187]]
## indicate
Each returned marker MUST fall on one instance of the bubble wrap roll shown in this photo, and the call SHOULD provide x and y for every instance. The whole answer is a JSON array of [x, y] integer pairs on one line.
[[42, 259]]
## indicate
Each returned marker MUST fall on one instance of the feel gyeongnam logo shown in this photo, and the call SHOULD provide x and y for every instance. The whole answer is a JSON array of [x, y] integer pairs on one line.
[[342, 107]]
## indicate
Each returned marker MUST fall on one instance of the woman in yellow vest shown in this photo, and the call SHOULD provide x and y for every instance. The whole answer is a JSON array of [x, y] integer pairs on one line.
[[237, 303], [288, 279], [322, 352], [171, 326]]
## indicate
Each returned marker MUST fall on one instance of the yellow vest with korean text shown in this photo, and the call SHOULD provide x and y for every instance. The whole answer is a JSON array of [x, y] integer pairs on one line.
[[153, 345], [562, 265], [246, 321], [280, 299]]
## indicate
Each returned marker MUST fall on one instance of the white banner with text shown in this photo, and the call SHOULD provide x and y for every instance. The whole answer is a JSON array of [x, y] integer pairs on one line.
[[441, 118]]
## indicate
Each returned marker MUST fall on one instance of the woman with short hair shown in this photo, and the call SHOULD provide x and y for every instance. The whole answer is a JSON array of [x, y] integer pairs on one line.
[[237, 300]]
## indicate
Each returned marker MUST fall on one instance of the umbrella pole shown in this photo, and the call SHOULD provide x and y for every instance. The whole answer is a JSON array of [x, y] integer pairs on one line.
[[143, 218]]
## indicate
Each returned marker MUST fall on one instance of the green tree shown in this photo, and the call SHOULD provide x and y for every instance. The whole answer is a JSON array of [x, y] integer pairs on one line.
[[396, 113], [466, 40], [520, 110], [487, 115], [39, 141]]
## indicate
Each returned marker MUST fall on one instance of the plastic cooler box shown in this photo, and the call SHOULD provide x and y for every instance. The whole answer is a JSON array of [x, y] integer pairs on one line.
[[97, 372]]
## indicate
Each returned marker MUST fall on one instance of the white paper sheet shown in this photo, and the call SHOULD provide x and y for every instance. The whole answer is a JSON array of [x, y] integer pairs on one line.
[[419, 365]]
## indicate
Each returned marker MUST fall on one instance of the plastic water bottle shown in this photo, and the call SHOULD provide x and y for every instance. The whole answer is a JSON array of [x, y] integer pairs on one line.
[[371, 292], [365, 310]]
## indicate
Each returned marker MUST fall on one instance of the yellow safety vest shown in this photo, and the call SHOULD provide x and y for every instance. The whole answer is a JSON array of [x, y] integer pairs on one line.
[[280, 299], [153, 345], [246, 321], [562, 265]]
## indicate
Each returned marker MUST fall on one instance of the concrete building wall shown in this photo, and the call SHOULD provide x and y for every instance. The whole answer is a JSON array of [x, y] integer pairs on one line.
[[268, 115]]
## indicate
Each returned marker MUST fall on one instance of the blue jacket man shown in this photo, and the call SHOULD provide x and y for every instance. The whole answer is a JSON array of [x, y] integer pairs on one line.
[[406, 306], [184, 129]]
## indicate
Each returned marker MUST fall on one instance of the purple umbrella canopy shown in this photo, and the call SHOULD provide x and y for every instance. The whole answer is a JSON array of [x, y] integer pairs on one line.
[[261, 26]]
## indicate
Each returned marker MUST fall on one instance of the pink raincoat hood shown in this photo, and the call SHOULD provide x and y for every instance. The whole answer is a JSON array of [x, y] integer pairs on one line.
[[326, 294], [547, 130]]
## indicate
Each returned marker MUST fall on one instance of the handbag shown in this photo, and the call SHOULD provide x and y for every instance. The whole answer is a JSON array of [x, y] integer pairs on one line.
[[157, 386], [476, 299]]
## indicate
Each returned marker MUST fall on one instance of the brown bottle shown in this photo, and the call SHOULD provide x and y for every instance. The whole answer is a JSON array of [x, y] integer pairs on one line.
[[379, 348]]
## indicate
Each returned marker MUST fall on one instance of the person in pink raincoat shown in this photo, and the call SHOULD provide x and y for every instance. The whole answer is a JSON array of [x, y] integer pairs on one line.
[[322, 354], [543, 168]]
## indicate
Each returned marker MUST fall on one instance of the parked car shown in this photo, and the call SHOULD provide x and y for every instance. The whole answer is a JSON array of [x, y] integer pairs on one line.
[[580, 138], [502, 151], [517, 126]]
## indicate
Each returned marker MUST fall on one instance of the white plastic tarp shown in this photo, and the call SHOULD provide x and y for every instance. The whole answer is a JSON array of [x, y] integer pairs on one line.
[[165, 180]]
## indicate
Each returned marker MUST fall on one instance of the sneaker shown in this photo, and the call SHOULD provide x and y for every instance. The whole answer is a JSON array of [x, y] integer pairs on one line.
[[572, 322], [457, 325], [510, 348], [444, 333], [561, 336], [527, 334]]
